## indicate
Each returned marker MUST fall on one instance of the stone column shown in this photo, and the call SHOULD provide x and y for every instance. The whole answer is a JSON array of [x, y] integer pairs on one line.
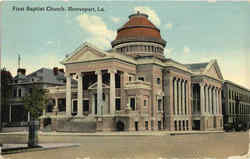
[[187, 96], [175, 97], [183, 97], [207, 105], [99, 92], [93, 104], [179, 95], [210, 99], [202, 98], [217, 101], [68, 95], [112, 91], [220, 104], [79, 95], [214, 101]]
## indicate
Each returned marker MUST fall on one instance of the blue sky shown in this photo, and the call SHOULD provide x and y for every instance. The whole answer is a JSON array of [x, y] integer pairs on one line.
[[195, 31]]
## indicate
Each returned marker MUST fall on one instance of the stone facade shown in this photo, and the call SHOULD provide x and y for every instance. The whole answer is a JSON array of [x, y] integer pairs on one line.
[[133, 87], [236, 103]]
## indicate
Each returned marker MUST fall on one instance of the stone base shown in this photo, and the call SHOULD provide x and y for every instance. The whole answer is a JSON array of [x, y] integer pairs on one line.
[[71, 125]]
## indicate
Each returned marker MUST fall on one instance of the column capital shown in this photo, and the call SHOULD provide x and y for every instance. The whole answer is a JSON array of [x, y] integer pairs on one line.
[[97, 72], [112, 71], [79, 74]]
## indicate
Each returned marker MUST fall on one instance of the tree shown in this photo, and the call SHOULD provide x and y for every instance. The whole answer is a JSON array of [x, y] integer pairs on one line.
[[6, 79], [34, 102]]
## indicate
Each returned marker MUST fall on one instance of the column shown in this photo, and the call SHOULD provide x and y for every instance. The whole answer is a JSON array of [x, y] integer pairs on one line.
[[175, 96], [217, 101], [79, 95], [220, 104], [112, 91], [93, 104], [183, 97], [202, 98], [214, 101], [210, 100], [187, 97], [179, 97], [68, 95], [99, 92], [207, 105]]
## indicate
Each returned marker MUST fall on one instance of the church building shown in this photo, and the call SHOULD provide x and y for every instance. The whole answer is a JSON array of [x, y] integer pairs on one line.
[[134, 87]]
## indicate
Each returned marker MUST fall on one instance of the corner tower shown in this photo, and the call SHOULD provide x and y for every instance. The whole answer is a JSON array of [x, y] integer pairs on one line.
[[139, 37]]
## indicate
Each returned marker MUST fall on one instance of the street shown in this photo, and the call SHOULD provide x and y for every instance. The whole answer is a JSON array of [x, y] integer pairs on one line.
[[216, 145]]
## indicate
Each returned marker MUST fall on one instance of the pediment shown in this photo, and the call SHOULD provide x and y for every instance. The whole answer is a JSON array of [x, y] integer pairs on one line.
[[94, 86], [85, 53], [213, 71]]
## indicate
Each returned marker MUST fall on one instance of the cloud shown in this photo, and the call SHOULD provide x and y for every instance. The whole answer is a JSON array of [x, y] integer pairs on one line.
[[99, 33], [115, 19], [169, 26], [153, 17], [186, 49]]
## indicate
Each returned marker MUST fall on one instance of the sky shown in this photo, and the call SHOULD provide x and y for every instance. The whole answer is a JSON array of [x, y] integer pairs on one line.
[[195, 32]]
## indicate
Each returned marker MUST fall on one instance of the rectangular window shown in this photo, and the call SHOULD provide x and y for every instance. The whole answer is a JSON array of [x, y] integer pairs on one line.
[[62, 104], [15, 92], [145, 103], [132, 103], [74, 107], [146, 125], [159, 125], [117, 104], [20, 92], [158, 81], [141, 78], [85, 105], [130, 78], [159, 105]]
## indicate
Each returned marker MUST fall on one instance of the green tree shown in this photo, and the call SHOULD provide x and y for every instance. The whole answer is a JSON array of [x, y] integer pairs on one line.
[[6, 90], [34, 102]]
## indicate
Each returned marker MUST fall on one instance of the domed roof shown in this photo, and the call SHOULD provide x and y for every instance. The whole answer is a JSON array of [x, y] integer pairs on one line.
[[138, 29]]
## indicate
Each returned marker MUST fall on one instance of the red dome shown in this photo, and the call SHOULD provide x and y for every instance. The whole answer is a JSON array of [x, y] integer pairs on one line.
[[138, 28]]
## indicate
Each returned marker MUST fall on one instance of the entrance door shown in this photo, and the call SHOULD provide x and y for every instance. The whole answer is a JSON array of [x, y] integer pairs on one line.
[[136, 126], [196, 124]]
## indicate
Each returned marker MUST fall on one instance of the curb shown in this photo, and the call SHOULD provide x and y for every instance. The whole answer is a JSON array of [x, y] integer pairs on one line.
[[26, 149]]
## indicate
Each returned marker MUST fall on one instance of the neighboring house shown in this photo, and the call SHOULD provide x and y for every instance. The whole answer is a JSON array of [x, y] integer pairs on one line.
[[22, 84], [236, 103]]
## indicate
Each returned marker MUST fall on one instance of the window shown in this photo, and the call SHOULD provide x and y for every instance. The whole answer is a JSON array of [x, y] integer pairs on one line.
[[20, 92], [85, 105], [159, 105], [62, 104], [50, 105], [146, 125], [141, 78], [132, 103], [15, 92], [159, 125], [74, 107], [129, 78], [145, 103], [158, 81], [117, 104]]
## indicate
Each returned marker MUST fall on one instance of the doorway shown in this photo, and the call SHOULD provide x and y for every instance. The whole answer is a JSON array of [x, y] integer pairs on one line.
[[136, 126]]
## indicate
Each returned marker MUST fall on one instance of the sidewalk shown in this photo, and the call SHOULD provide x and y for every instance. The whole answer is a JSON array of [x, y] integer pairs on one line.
[[116, 133], [15, 148]]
